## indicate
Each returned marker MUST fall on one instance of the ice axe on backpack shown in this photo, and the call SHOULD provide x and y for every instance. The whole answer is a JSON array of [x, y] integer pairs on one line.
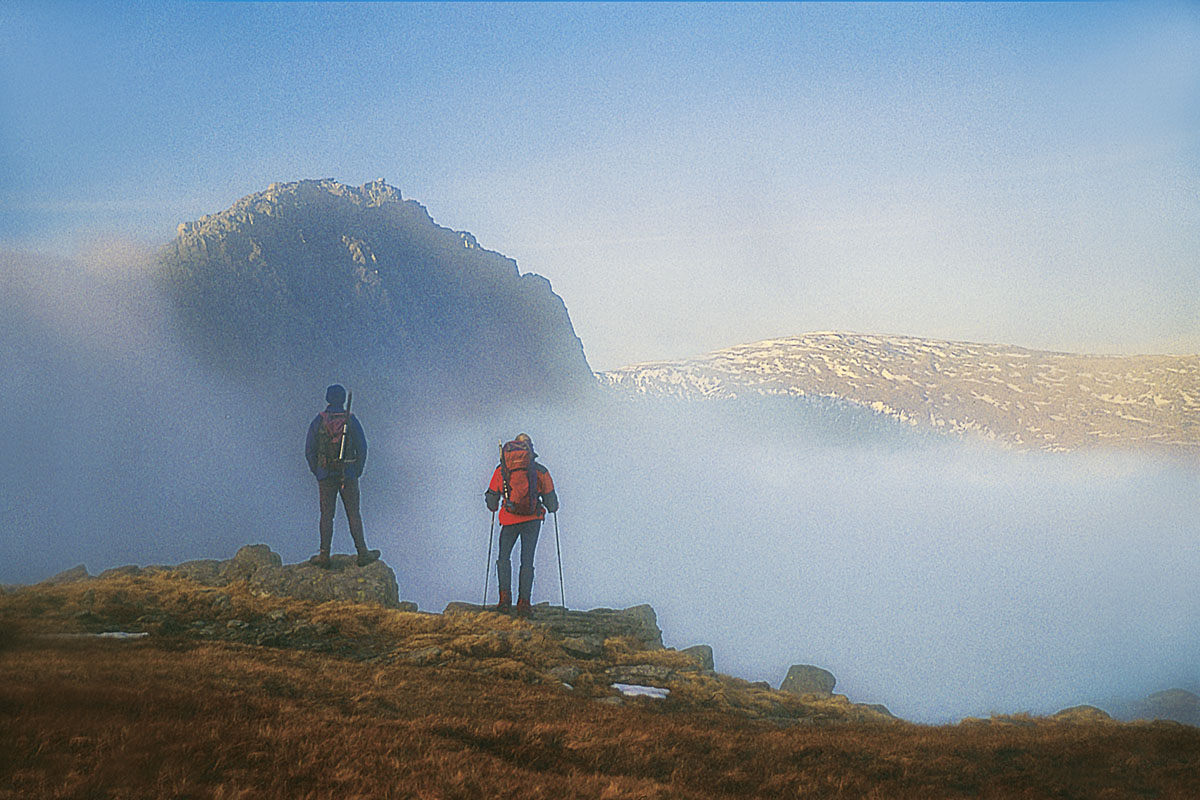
[[345, 436]]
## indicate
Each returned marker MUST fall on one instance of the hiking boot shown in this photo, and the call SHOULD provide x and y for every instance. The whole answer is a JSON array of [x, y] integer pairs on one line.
[[367, 556], [523, 607], [505, 604], [321, 560]]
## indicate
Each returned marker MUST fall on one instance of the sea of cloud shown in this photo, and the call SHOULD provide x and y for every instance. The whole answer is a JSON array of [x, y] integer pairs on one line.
[[943, 578]]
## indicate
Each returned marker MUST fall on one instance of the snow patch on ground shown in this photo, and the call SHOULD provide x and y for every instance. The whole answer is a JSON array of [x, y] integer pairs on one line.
[[633, 690]]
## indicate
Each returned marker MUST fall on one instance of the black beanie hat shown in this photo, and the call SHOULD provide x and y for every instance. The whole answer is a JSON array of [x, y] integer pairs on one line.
[[335, 395]]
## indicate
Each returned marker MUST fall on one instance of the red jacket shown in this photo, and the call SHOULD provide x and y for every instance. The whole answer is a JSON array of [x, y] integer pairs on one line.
[[546, 495]]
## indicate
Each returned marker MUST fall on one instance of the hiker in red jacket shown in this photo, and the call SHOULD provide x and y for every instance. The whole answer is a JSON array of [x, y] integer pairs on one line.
[[523, 491]]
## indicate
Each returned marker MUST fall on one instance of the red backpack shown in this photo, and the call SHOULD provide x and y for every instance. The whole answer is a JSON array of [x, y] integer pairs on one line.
[[519, 474], [329, 440]]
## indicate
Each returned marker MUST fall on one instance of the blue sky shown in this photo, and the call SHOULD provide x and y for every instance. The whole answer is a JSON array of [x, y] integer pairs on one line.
[[688, 176]]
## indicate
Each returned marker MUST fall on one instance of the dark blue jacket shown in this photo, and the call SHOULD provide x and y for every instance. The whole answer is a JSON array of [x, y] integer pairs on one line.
[[356, 444]]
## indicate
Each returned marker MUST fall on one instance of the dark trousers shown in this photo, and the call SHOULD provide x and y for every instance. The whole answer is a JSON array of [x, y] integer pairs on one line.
[[330, 489], [527, 532]]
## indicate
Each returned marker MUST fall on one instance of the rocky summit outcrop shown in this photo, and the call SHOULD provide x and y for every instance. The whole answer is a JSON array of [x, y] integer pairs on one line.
[[315, 278], [611, 656], [266, 574]]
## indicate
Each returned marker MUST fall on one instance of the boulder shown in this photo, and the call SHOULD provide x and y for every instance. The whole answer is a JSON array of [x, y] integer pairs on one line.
[[344, 580], [703, 654], [1082, 714], [640, 674], [638, 622], [248, 560], [807, 679]]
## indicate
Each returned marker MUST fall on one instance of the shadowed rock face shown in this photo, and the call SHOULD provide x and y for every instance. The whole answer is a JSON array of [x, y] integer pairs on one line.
[[315, 278]]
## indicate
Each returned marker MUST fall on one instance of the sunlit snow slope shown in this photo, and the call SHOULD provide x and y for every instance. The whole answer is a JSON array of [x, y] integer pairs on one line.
[[1023, 398]]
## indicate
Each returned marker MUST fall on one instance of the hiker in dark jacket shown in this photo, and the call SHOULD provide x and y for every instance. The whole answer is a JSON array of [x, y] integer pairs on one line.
[[510, 488], [335, 475]]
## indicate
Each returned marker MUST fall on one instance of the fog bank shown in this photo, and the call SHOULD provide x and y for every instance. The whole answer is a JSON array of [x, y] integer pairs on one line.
[[941, 578]]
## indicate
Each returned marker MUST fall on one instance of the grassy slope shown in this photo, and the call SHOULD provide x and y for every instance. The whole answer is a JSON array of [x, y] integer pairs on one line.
[[184, 714]]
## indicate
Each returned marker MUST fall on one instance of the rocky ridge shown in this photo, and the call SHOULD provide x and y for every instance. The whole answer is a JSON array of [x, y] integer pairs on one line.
[[1019, 397], [614, 656]]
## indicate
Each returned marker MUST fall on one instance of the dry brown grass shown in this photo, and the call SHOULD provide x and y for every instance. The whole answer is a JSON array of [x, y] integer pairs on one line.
[[185, 717]]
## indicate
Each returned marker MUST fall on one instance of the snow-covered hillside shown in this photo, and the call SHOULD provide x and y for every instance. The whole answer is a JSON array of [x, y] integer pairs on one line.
[[1023, 398]]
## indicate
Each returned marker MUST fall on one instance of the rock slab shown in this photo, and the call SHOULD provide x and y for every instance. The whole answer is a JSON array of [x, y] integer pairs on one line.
[[265, 572], [585, 631]]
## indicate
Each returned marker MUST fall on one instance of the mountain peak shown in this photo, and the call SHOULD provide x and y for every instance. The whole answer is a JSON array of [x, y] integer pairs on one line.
[[314, 277]]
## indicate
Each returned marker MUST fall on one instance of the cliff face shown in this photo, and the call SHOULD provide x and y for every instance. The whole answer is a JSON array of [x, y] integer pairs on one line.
[[314, 281]]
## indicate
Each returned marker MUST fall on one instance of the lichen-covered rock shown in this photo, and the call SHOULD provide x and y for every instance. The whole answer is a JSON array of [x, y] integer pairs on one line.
[[248, 560], [807, 679], [640, 674], [637, 622], [583, 646], [344, 580]]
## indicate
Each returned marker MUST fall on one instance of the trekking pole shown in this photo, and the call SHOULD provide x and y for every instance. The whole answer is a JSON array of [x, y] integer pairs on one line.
[[558, 549], [487, 573]]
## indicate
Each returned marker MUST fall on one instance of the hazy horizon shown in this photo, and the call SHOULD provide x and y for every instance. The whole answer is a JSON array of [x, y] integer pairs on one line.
[[941, 577], [1025, 174]]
